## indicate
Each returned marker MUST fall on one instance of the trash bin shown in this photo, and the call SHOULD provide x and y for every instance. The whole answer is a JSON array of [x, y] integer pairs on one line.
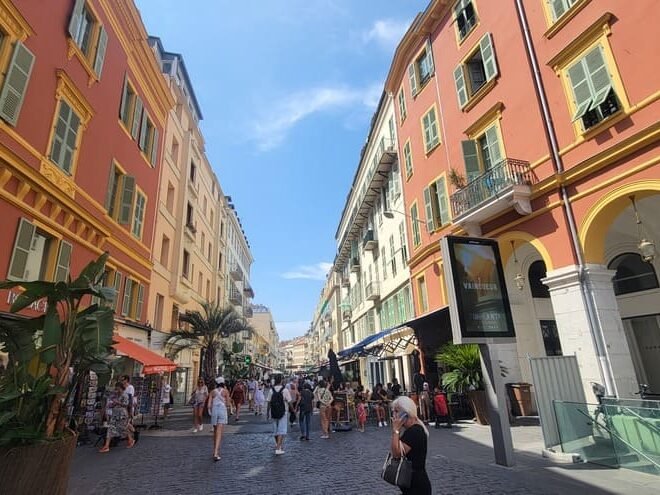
[[521, 398]]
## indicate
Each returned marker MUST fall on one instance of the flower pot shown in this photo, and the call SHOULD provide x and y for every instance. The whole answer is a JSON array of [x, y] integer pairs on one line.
[[479, 404], [38, 468]]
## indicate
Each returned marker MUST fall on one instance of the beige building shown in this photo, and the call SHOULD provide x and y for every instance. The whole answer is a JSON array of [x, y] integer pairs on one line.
[[264, 342], [292, 354]]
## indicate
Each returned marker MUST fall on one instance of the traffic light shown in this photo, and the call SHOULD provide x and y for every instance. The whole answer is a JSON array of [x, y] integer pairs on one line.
[[248, 359]]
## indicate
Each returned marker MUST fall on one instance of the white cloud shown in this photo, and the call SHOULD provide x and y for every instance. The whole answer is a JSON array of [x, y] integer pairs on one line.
[[270, 131], [386, 32], [318, 271]]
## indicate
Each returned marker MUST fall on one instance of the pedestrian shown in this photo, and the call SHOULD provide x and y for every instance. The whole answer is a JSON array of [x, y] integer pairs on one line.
[[218, 411], [280, 397], [166, 396], [238, 396], [425, 403], [305, 408], [379, 399], [361, 414], [119, 426], [396, 388], [323, 398], [130, 391], [293, 405], [268, 390], [259, 400], [198, 401], [251, 389], [410, 439]]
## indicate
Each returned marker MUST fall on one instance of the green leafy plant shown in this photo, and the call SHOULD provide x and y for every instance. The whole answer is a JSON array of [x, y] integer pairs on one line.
[[464, 364], [456, 178], [42, 350]]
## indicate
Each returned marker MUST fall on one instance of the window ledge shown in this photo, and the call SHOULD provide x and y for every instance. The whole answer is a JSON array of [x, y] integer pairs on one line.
[[604, 124], [432, 148], [422, 87], [460, 40], [478, 96], [75, 50], [565, 19], [59, 177]]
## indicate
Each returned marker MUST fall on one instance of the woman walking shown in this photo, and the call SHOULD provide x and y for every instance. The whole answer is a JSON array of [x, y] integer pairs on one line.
[[259, 400], [119, 426], [410, 439], [323, 398], [198, 401], [218, 411], [238, 396]]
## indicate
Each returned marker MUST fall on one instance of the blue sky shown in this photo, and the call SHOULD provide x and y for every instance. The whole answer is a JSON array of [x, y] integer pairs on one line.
[[287, 89]]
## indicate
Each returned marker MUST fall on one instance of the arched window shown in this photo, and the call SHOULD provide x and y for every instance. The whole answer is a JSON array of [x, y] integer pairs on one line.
[[535, 274], [632, 274]]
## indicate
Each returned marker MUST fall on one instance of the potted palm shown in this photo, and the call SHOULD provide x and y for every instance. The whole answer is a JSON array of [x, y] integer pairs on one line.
[[46, 355]]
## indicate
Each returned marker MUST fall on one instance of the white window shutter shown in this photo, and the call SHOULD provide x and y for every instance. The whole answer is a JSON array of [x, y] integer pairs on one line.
[[76, 18], [412, 76], [21, 252], [63, 262], [429, 57], [488, 56], [428, 208], [100, 51], [15, 84], [461, 90]]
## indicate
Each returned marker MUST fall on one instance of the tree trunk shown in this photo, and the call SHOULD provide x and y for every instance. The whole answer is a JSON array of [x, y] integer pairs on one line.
[[210, 363]]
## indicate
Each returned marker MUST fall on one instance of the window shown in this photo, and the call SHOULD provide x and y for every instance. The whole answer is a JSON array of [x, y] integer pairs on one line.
[[404, 244], [593, 94], [186, 264], [632, 274], [65, 137], [209, 253], [402, 105], [200, 280], [559, 7], [133, 299], [158, 312], [482, 153], [31, 258], [384, 260], [174, 152], [138, 214], [414, 221], [169, 201], [423, 298], [436, 205], [536, 273], [15, 83], [392, 256], [190, 214], [120, 198], [116, 284], [128, 105], [148, 138], [193, 172], [430, 130], [478, 69], [89, 36], [407, 159], [390, 125], [421, 70], [466, 18], [165, 251], [551, 340]]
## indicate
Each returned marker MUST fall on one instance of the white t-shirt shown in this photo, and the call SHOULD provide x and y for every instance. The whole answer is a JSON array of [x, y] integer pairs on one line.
[[165, 394], [286, 394], [130, 390]]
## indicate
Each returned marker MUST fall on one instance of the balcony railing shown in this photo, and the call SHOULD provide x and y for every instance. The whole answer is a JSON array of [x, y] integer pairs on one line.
[[235, 297], [386, 151], [236, 272], [355, 264], [248, 291], [491, 184], [370, 242], [373, 291]]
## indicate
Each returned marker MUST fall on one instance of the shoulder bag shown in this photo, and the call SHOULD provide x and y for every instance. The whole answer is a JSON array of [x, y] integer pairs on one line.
[[397, 472]]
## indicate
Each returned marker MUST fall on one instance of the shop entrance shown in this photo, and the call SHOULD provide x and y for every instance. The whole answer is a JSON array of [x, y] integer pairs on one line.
[[643, 334], [180, 385]]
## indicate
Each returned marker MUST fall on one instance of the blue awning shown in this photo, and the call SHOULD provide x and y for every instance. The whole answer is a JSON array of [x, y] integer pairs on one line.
[[359, 347]]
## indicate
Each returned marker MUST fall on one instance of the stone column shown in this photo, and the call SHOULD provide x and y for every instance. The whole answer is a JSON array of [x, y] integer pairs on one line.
[[575, 334]]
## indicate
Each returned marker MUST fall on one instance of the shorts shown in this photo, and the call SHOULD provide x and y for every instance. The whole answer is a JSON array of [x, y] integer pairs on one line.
[[219, 415], [251, 395], [280, 426]]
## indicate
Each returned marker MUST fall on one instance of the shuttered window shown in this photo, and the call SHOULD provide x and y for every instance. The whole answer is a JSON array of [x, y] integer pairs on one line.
[[559, 7], [478, 69], [414, 221], [441, 204], [117, 286], [137, 118], [15, 83], [128, 291], [90, 36], [65, 137], [139, 302], [407, 159], [489, 148], [127, 105], [421, 70], [392, 255], [404, 244], [402, 105], [62, 267], [430, 130], [138, 215], [428, 209], [126, 199], [471, 159], [21, 252], [465, 16], [33, 252]]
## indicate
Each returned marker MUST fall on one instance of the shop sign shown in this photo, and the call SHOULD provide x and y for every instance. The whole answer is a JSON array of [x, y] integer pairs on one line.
[[478, 300], [39, 306]]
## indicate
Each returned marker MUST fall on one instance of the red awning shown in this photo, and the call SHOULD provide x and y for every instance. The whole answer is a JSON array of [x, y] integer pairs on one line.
[[153, 363]]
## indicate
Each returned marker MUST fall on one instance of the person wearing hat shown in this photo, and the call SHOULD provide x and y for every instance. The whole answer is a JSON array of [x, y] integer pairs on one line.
[[217, 407]]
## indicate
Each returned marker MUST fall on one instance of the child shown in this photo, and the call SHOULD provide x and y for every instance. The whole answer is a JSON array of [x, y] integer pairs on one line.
[[259, 400], [361, 414]]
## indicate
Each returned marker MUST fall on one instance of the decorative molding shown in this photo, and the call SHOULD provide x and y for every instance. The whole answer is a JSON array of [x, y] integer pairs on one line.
[[491, 114], [58, 177], [12, 20], [67, 89], [590, 35], [74, 49], [564, 19]]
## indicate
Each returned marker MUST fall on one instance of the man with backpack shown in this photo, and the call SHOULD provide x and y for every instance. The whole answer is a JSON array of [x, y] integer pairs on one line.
[[279, 400]]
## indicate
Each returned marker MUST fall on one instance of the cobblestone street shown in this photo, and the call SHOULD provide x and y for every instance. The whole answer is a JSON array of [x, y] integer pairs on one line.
[[175, 460]]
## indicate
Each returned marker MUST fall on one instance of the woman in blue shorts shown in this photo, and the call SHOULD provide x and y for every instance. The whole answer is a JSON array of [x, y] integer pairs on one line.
[[218, 400]]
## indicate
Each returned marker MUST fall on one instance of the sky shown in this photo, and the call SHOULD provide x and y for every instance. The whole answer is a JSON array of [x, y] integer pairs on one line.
[[287, 89]]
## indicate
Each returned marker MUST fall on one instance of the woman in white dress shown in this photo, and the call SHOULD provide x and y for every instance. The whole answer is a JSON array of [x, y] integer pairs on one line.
[[218, 400]]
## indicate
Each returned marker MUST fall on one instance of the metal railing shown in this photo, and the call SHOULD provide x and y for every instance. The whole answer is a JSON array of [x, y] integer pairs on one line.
[[369, 237], [490, 184], [373, 290]]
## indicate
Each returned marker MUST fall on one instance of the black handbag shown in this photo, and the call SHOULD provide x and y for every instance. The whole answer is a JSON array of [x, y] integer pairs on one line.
[[397, 472]]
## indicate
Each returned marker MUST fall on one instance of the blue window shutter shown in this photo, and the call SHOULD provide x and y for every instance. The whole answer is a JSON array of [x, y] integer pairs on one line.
[[100, 51], [15, 84], [461, 90], [488, 56], [76, 18]]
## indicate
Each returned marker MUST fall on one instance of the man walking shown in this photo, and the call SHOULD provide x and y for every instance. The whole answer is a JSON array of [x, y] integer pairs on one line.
[[280, 398], [252, 388], [305, 407]]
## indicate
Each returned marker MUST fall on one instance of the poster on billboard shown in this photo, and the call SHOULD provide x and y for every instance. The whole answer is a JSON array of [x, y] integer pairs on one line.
[[478, 300]]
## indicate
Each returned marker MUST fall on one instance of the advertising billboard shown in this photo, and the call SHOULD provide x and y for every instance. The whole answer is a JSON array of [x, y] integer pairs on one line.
[[478, 300]]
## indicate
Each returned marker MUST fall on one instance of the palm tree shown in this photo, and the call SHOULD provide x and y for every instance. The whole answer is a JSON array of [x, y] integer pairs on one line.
[[206, 331]]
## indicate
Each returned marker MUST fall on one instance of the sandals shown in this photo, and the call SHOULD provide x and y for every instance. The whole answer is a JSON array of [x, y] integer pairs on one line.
[[104, 450], [216, 458]]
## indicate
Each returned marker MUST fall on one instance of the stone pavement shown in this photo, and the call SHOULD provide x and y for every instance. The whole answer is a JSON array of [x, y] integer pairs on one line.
[[174, 460]]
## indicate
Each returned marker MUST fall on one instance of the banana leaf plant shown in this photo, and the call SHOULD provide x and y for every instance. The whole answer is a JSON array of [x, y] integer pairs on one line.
[[72, 335]]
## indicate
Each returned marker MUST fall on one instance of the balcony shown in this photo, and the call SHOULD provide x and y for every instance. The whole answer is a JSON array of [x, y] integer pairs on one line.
[[355, 264], [370, 243], [236, 273], [248, 312], [386, 153], [235, 296], [248, 291], [346, 314], [345, 279], [190, 231], [507, 184], [373, 291]]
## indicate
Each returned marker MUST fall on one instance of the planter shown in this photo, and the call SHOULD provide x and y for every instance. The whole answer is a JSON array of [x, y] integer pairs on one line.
[[520, 395], [38, 468], [479, 404]]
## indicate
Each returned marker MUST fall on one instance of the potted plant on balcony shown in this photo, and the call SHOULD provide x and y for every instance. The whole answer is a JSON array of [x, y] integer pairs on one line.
[[36, 443], [456, 179]]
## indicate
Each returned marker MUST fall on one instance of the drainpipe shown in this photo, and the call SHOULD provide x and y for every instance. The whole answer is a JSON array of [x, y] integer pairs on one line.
[[595, 327]]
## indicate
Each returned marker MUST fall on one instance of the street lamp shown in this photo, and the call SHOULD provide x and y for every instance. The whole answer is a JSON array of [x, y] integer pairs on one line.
[[390, 214], [645, 246]]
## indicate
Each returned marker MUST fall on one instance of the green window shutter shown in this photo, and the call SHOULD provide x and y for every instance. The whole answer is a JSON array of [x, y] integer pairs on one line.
[[127, 193], [117, 287], [154, 147], [124, 100], [488, 56], [426, 124], [407, 156], [76, 18], [143, 130], [140, 301], [433, 127], [137, 116], [429, 57], [111, 186], [471, 159], [443, 204], [581, 89], [412, 76], [138, 217], [100, 51], [428, 208], [599, 76], [414, 216], [21, 252], [493, 145], [402, 104], [126, 303], [461, 90], [16, 82], [63, 262]]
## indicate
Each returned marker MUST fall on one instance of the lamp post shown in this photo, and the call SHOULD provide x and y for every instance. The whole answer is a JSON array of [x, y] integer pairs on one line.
[[390, 214]]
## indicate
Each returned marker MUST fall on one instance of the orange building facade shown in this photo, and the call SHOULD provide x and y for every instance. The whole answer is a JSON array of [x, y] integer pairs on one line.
[[535, 123], [83, 107]]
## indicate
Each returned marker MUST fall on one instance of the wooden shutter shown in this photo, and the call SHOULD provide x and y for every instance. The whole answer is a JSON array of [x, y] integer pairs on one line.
[[488, 56], [15, 84], [100, 51], [111, 185], [127, 194], [599, 76], [493, 145], [63, 262], [124, 100], [581, 89], [143, 130], [21, 252], [412, 76], [117, 287], [140, 300], [137, 115], [76, 18], [138, 218], [461, 90], [443, 204], [471, 159], [429, 57], [428, 208], [154, 147], [126, 303]]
